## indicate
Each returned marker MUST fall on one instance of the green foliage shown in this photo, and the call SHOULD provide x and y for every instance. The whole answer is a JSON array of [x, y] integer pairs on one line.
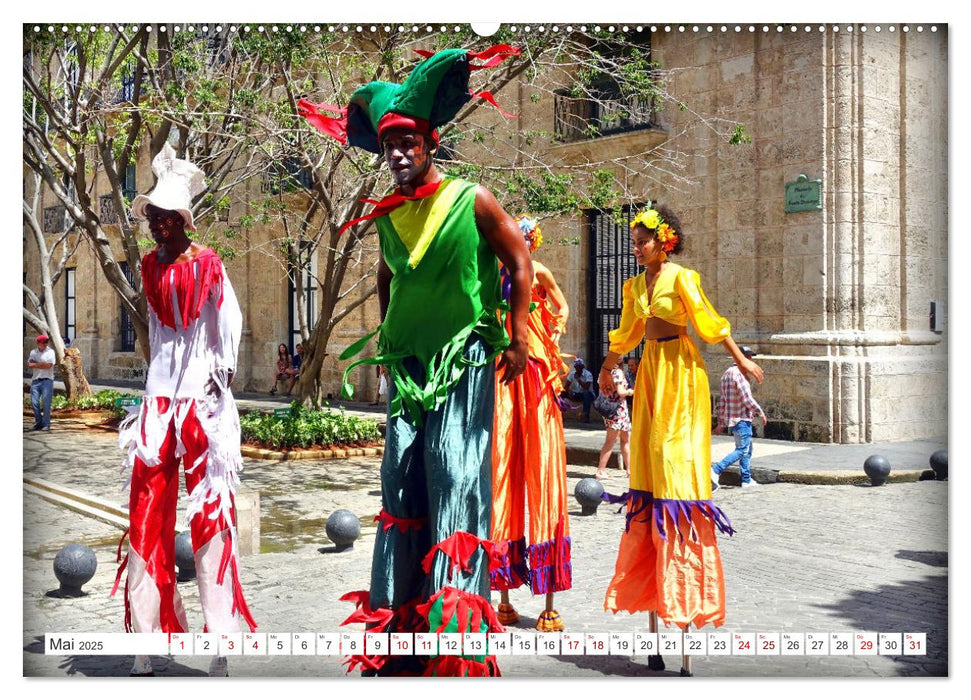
[[602, 194], [551, 193], [306, 427], [103, 400], [739, 136]]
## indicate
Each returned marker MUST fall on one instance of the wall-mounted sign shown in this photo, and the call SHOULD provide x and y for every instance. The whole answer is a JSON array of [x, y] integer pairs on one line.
[[804, 195]]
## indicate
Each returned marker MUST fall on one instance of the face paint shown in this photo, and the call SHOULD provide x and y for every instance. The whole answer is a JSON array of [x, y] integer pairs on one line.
[[406, 154]]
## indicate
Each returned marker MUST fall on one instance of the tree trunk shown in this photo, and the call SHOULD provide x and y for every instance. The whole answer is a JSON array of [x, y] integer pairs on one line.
[[72, 372]]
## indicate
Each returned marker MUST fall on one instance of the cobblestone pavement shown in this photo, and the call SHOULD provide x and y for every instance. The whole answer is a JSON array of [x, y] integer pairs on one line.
[[805, 559]]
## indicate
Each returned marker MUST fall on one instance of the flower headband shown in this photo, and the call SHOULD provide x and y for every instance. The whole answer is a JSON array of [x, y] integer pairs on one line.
[[652, 221], [531, 232]]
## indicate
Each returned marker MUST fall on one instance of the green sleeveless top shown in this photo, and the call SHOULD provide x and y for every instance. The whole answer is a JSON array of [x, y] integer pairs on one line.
[[445, 287]]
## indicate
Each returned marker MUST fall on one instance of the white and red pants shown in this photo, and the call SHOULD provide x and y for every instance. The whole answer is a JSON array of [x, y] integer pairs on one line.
[[152, 601]]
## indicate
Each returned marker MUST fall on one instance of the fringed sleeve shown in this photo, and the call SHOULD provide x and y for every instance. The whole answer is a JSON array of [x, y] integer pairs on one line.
[[631, 330], [230, 325], [711, 327]]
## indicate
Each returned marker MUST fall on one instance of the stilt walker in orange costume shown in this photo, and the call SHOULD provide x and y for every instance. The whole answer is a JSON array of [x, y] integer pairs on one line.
[[668, 563], [188, 415], [529, 460]]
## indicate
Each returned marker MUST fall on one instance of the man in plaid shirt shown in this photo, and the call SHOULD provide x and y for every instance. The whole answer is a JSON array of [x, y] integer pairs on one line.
[[736, 409]]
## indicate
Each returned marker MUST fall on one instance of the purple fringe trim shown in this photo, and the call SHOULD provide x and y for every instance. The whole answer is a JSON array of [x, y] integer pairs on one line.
[[513, 572], [550, 568], [640, 501]]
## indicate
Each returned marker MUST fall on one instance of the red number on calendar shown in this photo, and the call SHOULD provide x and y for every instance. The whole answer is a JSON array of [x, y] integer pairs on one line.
[[914, 644], [744, 645], [231, 645], [866, 646], [574, 644], [768, 645]]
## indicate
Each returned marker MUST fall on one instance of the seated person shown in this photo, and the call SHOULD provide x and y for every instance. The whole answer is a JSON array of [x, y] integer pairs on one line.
[[579, 385], [282, 365], [294, 370]]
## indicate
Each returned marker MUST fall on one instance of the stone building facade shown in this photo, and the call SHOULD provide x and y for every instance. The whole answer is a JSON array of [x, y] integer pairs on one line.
[[836, 300]]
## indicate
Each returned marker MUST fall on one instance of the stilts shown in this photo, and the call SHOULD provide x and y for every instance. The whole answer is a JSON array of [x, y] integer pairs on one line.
[[685, 658], [654, 661]]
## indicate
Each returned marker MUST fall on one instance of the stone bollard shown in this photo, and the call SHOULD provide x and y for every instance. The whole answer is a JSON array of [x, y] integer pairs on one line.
[[588, 493], [343, 527], [74, 566], [248, 521], [939, 464], [877, 467]]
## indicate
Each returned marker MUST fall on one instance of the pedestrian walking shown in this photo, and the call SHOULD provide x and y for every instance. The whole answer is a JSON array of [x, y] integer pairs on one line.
[[736, 410]]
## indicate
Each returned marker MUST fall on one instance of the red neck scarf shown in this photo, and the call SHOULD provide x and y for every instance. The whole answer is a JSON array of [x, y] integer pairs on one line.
[[391, 202], [192, 281]]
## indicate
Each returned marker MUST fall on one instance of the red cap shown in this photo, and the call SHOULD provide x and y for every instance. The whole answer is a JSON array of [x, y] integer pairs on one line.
[[393, 120], [42, 338]]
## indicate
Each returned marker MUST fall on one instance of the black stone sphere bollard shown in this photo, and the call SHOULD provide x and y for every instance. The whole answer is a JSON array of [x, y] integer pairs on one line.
[[184, 557], [939, 464], [74, 566], [588, 493], [343, 527], [877, 467]]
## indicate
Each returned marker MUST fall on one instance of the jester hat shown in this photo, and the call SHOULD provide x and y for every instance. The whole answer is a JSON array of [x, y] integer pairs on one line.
[[432, 95]]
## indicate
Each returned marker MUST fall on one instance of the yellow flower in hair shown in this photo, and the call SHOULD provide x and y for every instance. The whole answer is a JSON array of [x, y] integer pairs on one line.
[[536, 239], [648, 219]]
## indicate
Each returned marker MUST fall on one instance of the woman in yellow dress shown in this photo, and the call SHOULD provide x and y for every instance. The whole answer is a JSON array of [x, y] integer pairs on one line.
[[668, 563]]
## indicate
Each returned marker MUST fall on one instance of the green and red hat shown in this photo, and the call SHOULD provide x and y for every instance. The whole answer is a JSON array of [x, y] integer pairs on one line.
[[432, 95]]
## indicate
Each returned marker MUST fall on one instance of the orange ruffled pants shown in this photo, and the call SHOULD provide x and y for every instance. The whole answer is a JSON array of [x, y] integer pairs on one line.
[[529, 467]]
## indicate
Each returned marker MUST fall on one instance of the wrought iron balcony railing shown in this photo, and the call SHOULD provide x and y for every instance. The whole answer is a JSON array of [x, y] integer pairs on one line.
[[603, 111]]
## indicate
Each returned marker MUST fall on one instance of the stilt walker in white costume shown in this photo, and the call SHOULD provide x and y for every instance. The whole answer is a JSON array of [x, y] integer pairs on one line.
[[187, 415]]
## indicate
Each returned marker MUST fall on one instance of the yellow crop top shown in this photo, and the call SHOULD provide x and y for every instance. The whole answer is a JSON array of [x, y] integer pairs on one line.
[[677, 297]]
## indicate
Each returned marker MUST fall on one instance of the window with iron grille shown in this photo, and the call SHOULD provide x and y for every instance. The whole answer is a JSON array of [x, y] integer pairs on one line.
[[127, 93], [308, 279], [128, 187], [126, 328], [70, 319], [611, 264]]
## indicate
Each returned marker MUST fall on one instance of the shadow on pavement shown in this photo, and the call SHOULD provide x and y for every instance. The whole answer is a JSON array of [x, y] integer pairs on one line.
[[929, 558], [918, 606]]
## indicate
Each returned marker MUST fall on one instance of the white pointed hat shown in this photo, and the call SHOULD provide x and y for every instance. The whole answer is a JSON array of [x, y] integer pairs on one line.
[[178, 182]]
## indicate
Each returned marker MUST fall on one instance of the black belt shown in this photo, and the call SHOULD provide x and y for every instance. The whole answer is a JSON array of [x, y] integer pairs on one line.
[[666, 338]]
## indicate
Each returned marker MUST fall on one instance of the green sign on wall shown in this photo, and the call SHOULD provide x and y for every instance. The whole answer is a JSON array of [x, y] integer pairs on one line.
[[281, 412], [124, 401], [804, 195]]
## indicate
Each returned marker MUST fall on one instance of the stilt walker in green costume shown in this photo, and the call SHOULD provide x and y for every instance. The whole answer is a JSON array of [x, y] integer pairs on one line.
[[439, 292]]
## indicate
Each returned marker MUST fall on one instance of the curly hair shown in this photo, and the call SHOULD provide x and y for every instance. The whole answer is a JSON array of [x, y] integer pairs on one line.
[[668, 217]]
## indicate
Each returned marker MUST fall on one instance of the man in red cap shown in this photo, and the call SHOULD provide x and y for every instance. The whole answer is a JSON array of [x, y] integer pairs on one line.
[[41, 362]]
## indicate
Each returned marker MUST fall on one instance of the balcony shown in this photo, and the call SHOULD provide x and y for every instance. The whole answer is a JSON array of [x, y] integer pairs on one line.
[[603, 111], [287, 177]]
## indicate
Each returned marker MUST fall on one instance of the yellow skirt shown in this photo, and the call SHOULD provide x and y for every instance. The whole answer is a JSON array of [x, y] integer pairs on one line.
[[668, 560]]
